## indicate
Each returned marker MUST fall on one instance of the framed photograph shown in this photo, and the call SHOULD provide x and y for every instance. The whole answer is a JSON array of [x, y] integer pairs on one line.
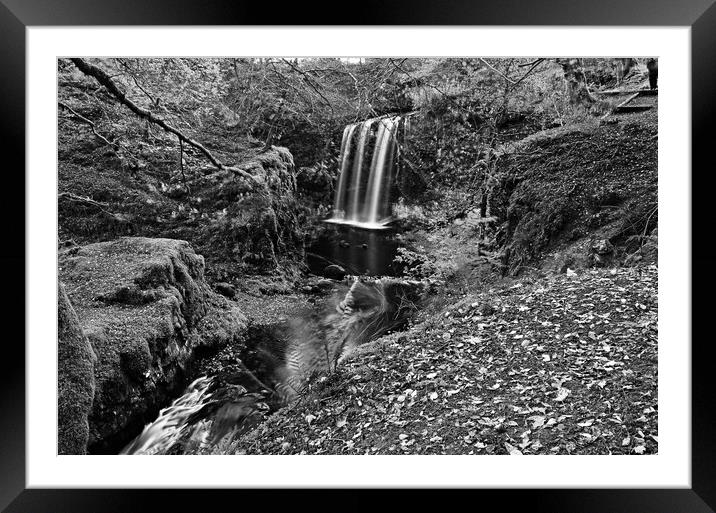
[[442, 247]]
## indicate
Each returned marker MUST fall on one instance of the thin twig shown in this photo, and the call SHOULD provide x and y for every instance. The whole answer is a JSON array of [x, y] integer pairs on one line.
[[498, 72], [91, 124], [181, 164]]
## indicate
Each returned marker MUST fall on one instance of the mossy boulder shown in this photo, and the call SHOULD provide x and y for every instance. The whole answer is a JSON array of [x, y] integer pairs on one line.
[[246, 225], [241, 225], [145, 307], [75, 380]]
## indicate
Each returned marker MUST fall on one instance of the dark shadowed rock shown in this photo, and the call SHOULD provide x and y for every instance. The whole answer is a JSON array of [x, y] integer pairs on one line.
[[225, 289], [75, 380], [316, 180], [334, 272], [145, 307], [603, 253], [325, 284]]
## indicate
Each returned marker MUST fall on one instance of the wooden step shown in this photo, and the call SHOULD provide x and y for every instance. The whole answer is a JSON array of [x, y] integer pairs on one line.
[[632, 108], [622, 104], [640, 92]]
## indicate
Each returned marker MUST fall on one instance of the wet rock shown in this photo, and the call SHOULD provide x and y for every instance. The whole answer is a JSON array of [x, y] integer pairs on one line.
[[334, 272], [225, 289], [325, 284]]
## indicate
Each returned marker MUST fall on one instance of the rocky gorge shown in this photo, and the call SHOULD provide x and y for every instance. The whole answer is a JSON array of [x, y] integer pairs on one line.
[[210, 291]]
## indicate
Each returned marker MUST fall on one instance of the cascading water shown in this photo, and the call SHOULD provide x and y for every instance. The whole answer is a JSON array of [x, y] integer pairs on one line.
[[364, 200], [356, 188], [216, 410], [343, 178], [171, 424], [376, 203]]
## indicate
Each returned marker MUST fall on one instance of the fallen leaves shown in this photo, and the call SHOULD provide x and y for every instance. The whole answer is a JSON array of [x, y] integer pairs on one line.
[[537, 421], [562, 394], [564, 366], [512, 450]]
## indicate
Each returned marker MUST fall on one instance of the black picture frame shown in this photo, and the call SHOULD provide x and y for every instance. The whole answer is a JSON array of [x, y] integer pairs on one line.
[[17, 15]]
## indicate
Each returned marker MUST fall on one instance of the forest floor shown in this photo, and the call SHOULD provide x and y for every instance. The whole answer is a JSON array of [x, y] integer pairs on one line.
[[563, 364]]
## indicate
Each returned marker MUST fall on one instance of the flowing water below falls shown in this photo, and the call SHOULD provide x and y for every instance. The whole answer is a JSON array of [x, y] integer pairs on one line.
[[368, 154], [273, 368]]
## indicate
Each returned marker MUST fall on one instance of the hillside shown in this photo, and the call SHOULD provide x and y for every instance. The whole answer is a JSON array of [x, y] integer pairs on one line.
[[559, 365]]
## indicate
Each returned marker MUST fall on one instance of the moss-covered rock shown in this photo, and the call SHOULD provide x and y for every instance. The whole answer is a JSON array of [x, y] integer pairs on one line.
[[145, 307], [241, 225], [76, 382]]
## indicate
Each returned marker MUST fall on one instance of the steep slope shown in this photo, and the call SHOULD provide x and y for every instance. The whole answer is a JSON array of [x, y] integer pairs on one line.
[[565, 190]]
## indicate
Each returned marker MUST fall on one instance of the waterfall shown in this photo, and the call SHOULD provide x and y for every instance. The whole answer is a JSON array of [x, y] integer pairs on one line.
[[366, 201], [342, 180], [379, 183], [358, 171]]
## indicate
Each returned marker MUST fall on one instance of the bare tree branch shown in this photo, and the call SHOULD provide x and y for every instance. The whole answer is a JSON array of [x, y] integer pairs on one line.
[[103, 78], [130, 71], [86, 121], [534, 62], [308, 80]]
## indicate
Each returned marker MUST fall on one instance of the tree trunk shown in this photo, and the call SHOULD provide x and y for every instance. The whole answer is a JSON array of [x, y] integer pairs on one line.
[[576, 82]]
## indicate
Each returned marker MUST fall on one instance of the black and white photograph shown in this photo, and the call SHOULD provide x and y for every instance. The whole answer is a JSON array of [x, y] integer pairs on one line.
[[358, 256]]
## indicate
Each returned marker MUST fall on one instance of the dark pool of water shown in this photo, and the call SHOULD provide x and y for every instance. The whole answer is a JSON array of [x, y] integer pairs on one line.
[[357, 250]]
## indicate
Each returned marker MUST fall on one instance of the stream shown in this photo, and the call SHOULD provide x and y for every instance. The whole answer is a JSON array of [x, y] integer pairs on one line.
[[238, 387]]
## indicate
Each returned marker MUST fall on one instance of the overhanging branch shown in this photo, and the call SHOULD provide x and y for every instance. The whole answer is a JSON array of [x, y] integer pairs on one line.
[[104, 79]]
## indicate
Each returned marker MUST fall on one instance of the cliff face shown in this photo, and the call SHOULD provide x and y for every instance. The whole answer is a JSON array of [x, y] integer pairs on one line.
[[145, 307]]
